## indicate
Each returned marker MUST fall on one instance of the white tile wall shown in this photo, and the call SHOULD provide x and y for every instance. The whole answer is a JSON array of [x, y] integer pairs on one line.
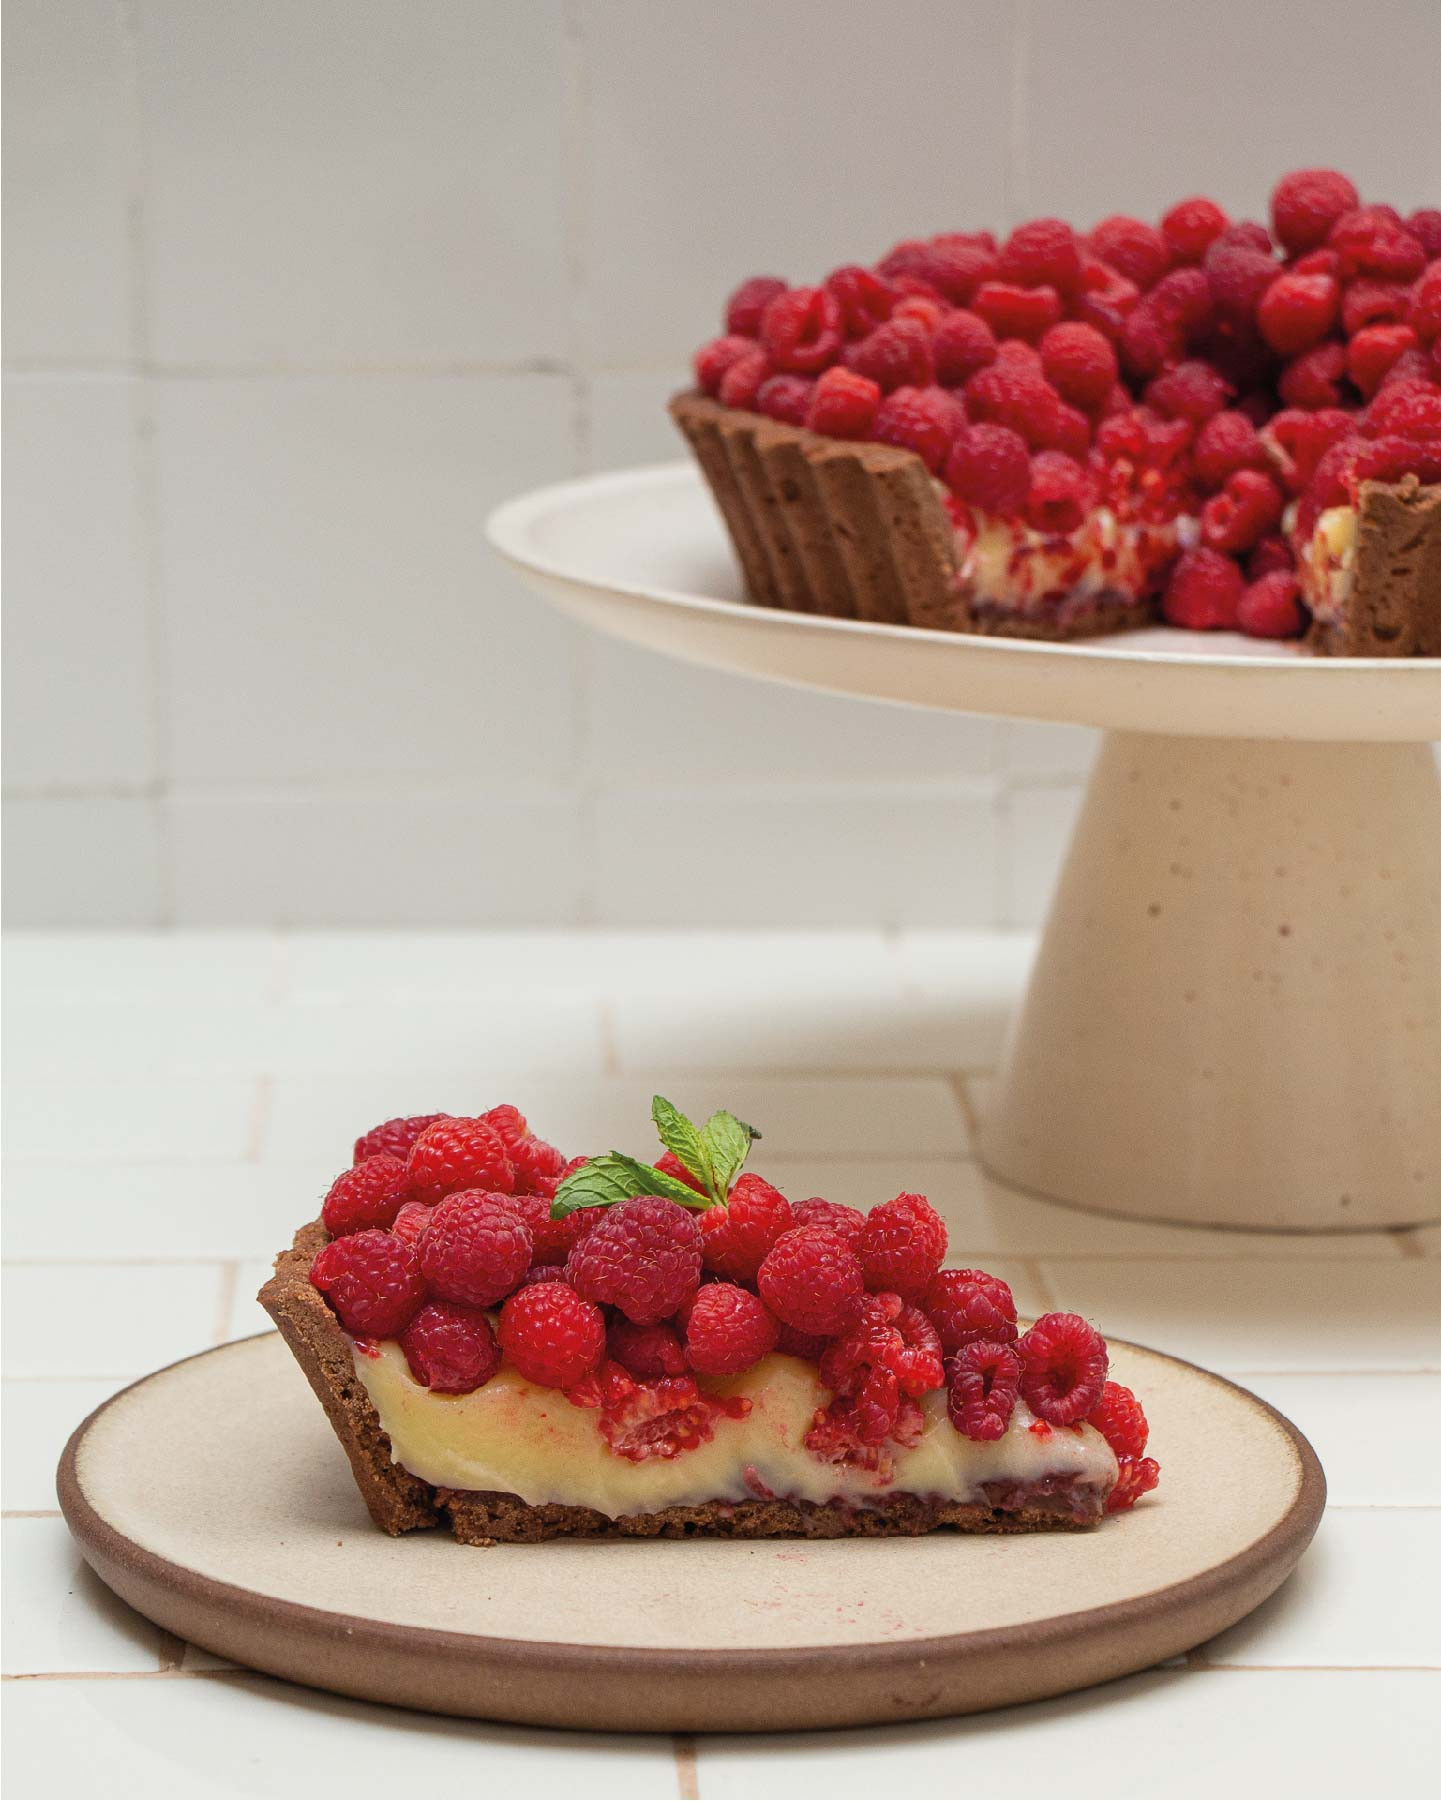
[[296, 292]]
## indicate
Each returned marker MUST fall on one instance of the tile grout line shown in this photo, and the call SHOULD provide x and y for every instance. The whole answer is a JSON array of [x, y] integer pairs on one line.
[[1408, 1244], [609, 1043], [687, 1773], [229, 1279], [257, 1124]]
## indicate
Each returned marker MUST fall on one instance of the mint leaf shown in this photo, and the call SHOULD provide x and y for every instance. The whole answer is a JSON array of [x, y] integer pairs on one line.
[[727, 1143], [615, 1177], [682, 1140]]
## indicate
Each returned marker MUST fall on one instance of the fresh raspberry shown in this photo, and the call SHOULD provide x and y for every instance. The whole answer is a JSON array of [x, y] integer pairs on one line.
[[889, 1353], [1183, 299], [644, 1257], [728, 1329], [713, 361], [736, 1237], [1225, 443], [1313, 379], [902, 1244], [1270, 555], [742, 379], [1239, 275], [1425, 226], [1332, 483], [1122, 435], [411, 1221], [953, 265], [926, 309], [1368, 301], [1167, 440], [1080, 363], [645, 1352], [670, 1165], [394, 1138], [746, 307], [1063, 1367], [1248, 506], [1191, 390], [1072, 435], [1106, 298], [1016, 356], [1387, 459], [1415, 364], [450, 1349], [1372, 352], [1042, 253], [538, 1166], [835, 1216], [1137, 1478], [809, 1345], [459, 1153], [1016, 312], [1150, 341], [1132, 248], [1424, 313], [1296, 441], [865, 298], [1250, 234], [1367, 242], [843, 405], [895, 355], [509, 1121], [924, 420], [1204, 592], [962, 344], [475, 1247], [1189, 228], [542, 1272], [785, 397], [985, 1378], [1270, 607], [1406, 410], [1306, 204], [1119, 1419], [838, 1434], [968, 1305], [368, 1194], [1297, 311], [641, 1421], [1062, 492], [555, 1238], [551, 1335], [372, 1280], [800, 330], [809, 1278], [989, 467], [1008, 394]]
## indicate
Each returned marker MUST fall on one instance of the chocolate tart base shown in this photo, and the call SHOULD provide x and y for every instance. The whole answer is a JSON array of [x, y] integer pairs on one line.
[[1394, 608]]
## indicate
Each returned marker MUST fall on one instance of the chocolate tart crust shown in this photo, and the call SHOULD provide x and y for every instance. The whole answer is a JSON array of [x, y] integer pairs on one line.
[[1394, 608], [400, 1502]]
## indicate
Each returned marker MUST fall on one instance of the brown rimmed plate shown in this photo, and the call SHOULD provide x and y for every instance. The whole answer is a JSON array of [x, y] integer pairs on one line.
[[213, 1497]]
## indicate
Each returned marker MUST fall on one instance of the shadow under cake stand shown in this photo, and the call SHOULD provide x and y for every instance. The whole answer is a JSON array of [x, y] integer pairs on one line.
[[1234, 1016]]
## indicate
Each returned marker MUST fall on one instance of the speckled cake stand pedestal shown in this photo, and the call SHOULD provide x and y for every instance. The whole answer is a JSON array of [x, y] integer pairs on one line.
[[1235, 1014]]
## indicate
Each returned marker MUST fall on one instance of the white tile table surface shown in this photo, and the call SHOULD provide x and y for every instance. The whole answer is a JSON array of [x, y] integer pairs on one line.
[[175, 1104]]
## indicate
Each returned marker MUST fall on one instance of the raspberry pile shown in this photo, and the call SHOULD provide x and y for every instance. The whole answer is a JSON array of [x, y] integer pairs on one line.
[[1225, 379], [462, 1237]]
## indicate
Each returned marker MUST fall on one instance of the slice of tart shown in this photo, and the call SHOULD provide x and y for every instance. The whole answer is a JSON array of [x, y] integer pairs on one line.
[[523, 1347], [1054, 436]]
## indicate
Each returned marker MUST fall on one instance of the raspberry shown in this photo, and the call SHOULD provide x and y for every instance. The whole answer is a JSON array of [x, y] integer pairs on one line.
[[1312, 380], [645, 1352], [1332, 484], [1270, 607], [1297, 311], [542, 1272], [1183, 299], [459, 1153], [1014, 355], [1006, 394], [967, 1305], [727, 1330], [372, 1280], [1072, 434], [1296, 441], [1062, 492], [1106, 298], [1150, 340], [1406, 409], [640, 1421], [962, 344], [551, 1335], [810, 1345], [742, 379], [394, 1138], [450, 1349], [1425, 226], [1368, 242], [1424, 314], [895, 355], [1132, 248], [1204, 592], [785, 397], [925, 309], [1167, 440], [990, 468], [1063, 1367], [1137, 1478], [1387, 459], [1119, 1419], [1016, 312], [713, 361], [1079, 363], [669, 1164], [985, 1378], [411, 1221], [1368, 301], [536, 1164], [800, 330], [865, 298], [1372, 352], [554, 1238], [838, 1435], [1239, 275], [644, 1257], [809, 1278], [747, 305], [1247, 233], [889, 1354], [1042, 253], [953, 265], [1248, 507], [835, 1216], [1189, 391], [1271, 554], [924, 420], [1189, 228], [475, 1248], [736, 1237], [902, 1244], [843, 405], [1306, 204], [1225, 443], [368, 1194]]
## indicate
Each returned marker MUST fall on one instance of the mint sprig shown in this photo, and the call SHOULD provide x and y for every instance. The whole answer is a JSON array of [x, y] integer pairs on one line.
[[714, 1154]]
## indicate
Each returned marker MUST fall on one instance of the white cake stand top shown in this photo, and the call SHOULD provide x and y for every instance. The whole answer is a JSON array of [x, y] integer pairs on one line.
[[641, 554]]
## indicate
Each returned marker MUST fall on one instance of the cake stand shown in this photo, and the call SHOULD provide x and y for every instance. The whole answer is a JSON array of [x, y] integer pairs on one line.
[[1234, 1016]]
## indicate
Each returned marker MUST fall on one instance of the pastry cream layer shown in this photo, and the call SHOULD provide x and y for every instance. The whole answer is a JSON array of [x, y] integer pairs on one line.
[[519, 1439], [1327, 564], [1015, 567]]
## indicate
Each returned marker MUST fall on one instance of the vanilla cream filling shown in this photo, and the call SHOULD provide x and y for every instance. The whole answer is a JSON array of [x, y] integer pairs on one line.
[[1327, 563], [1012, 565], [517, 1438]]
